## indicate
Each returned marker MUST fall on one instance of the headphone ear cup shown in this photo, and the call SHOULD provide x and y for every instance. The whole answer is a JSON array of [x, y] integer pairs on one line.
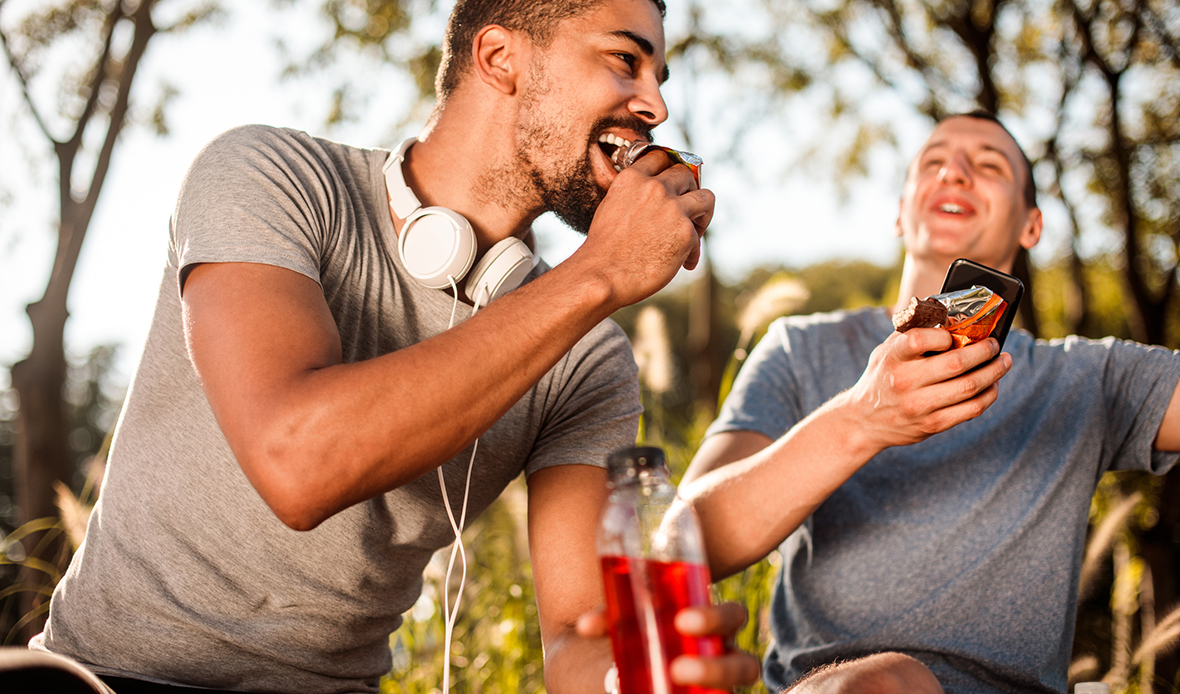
[[499, 271], [437, 245]]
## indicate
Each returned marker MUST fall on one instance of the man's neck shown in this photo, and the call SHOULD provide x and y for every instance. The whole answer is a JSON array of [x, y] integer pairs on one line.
[[920, 279], [452, 166]]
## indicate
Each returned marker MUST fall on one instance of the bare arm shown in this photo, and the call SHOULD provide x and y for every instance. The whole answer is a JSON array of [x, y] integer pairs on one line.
[[564, 502], [1168, 438], [752, 492], [315, 436]]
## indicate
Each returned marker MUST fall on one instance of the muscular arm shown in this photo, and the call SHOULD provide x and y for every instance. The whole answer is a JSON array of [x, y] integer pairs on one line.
[[751, 492], [315, 436]]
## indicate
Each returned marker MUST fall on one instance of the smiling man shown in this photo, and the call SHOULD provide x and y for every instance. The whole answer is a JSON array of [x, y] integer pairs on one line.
[[931, 521], [272, 498]]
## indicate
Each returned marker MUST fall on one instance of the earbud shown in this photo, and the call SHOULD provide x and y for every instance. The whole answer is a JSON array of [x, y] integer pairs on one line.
[[437, 245]]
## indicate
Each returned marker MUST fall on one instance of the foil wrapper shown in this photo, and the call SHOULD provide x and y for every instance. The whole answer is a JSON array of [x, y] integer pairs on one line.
[[971, 314], [626, 156]]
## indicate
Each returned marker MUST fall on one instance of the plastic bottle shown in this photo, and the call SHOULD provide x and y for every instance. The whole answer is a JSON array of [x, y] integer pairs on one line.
[[1091, 688], [653, 565]]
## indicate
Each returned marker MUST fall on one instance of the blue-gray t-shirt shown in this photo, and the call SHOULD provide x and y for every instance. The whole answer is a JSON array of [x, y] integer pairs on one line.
[[963, 550]]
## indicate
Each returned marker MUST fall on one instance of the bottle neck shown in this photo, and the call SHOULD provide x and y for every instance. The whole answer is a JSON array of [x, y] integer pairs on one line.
[[635, 476]]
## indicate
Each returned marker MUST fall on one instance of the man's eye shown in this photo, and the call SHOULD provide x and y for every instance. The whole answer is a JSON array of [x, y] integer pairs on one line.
[[626, 58]]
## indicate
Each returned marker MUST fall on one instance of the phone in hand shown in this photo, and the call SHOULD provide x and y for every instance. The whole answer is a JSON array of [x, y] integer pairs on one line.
[[964, 274]]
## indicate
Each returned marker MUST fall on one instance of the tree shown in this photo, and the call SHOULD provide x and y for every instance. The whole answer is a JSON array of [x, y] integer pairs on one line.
[[95, 103]]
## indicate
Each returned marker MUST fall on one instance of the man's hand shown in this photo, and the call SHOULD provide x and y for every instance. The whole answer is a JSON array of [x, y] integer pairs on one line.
[[649, 226], [732, 669], [904, 397]]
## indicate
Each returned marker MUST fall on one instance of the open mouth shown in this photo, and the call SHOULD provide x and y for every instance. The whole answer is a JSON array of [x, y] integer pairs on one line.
[[954, 208], [614, 147]]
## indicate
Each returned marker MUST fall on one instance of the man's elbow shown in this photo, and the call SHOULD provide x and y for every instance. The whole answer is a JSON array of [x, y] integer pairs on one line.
[[282, 479]]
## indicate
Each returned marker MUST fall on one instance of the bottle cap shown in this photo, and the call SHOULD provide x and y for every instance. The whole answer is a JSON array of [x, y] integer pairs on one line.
[[1091, 688], [639, 458]]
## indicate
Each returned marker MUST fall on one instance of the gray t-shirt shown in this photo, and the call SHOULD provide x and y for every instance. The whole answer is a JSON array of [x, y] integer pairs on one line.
[[962, 550], [186, 576]]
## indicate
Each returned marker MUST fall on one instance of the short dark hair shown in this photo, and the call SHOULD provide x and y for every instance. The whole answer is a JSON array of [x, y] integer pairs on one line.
[[1030, 184], [538, 19]]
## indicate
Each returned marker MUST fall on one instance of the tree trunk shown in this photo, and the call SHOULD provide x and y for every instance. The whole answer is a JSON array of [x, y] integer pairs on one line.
[[1158, 548], [41, 456], [705, 366]]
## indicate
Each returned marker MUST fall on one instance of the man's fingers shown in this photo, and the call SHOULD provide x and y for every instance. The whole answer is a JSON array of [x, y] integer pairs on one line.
[[724, 620], [968, 396], [947, 363], [916, 342], [699, 206], [653, 161], [722, 672]]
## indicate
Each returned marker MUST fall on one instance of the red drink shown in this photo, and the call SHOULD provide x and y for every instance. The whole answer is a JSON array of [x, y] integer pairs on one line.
[[673, 586]]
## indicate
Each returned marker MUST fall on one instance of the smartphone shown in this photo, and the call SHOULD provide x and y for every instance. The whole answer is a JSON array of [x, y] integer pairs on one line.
[[964, 274]]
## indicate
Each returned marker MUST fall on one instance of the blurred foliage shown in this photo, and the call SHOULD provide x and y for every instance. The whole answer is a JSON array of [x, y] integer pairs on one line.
[[92, 398], [496, 645]]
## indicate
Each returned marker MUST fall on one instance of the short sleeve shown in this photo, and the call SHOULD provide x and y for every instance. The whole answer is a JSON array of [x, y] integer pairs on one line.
[[764, 397], [254, 194], [1138, 382]]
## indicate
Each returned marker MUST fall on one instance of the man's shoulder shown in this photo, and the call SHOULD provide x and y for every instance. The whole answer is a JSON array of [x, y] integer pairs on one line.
[[279, 145]]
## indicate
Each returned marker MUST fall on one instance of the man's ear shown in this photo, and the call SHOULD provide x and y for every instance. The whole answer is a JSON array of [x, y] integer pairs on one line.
[[496, 54], [1030, 235]]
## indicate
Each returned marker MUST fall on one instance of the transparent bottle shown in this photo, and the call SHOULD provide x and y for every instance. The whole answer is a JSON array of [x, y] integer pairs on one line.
[[653, 565]]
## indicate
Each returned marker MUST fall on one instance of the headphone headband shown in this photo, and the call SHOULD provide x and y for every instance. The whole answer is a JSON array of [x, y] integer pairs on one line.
[[402, 200]]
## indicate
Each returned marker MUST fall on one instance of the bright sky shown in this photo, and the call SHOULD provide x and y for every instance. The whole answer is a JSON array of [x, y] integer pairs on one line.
[[227, 76]]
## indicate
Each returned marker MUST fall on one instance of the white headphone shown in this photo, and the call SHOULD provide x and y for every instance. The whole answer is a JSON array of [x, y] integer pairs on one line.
[[437, 245]]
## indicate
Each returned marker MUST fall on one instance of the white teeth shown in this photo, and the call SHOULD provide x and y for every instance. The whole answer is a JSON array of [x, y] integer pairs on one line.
[[612, 139], [951, 208], [619, 143]]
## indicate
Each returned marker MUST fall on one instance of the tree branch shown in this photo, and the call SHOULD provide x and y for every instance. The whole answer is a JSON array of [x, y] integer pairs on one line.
[[24, 84]]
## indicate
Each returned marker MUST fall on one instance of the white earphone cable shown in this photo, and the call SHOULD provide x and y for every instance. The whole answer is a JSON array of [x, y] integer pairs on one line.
[[451, 614]]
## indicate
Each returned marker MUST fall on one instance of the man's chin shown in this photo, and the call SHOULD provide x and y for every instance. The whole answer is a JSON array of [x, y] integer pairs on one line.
[[576, 208], [578, 221]]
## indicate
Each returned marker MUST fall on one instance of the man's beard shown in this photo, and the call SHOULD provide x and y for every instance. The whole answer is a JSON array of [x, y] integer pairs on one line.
[[570, 191]]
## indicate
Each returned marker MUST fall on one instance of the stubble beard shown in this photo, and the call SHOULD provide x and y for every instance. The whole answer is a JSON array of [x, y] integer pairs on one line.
[[565, 186], [568, 190]]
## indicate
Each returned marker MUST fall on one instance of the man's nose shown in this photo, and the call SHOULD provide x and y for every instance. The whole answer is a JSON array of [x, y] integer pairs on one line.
[[956, 170], [649, 104]]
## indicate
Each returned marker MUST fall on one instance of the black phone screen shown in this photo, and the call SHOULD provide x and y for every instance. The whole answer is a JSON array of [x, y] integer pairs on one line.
[[964, 274]]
